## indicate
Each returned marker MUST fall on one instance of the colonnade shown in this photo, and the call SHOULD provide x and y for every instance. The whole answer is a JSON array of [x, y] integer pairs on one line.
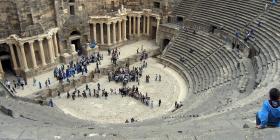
[[119, 24], [51, 45], [134, 25], [119, 28]]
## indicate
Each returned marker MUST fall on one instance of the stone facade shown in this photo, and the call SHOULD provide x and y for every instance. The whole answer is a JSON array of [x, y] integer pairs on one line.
[[167, 33], [35, 35]]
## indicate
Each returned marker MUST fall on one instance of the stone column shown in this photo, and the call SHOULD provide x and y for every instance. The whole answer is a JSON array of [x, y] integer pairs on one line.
[[21, 46], [15, 65], [50, 47], [34, 62], [53, 48], [94, 32], [120, 31], [56, 45], [138, 25], [108, 33], [42, 54], [129, 25], [91, 31], [2, 73], [101, 32], [158, 22], [114, 33], [134, 25], [19, 57], [61, 47], [144, 24], [1, 70], [148, 25], [124, 29]]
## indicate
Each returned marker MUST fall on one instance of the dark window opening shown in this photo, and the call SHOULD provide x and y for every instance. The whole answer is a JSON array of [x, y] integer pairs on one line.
[[75, 33], [169, 19], [180, 19], [156, 5], [29, 18], [72, 10]]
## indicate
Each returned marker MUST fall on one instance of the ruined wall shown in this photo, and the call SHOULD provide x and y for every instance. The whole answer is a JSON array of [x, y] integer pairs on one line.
[[35, 16], [32, 17], [9, 23], [72, 15]]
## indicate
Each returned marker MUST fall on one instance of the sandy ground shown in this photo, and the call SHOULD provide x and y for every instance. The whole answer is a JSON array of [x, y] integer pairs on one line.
[[126, 51], [116, 109]]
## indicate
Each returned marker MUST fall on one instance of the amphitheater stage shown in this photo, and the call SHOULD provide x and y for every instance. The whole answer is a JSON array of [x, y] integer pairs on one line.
[[126, 51], [116, 109]]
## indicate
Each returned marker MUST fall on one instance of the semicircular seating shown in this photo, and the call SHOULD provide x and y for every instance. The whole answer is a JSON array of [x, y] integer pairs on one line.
[[213, 68]]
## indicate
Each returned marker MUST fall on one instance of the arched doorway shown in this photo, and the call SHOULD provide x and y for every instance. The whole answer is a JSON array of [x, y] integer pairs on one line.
[[75, 38], [6, 62]]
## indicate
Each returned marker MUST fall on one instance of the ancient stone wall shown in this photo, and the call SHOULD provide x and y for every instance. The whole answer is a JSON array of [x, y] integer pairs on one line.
[[35, 16], [32, 17], [9, 23]]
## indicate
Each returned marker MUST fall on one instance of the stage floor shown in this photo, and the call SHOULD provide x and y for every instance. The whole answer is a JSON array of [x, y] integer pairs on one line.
[[116, 109]]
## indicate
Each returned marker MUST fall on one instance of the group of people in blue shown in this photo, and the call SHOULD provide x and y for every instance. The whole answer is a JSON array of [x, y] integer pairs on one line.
[[81, 66]]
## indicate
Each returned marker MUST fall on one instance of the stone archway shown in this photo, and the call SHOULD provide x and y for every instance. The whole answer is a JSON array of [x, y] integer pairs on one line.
[[5, 61], [75, 39]]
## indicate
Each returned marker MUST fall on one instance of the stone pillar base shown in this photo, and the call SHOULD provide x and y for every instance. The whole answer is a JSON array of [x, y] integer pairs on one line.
[[67, 58], [89, 51]]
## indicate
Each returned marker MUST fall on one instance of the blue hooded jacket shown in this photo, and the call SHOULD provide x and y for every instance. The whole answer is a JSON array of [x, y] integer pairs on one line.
[[269, 115]]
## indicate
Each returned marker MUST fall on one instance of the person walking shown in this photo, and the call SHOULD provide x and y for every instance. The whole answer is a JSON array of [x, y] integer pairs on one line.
[[156, 77], [34, 82], [50, 103], [152, 104]]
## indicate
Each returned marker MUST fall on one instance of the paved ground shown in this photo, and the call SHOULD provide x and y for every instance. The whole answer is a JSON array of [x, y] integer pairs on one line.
[[117, 109], [126, 51]]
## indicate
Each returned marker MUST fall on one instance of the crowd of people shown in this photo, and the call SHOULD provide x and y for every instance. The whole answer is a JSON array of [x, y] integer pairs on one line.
[[115, 53], [132, 92], [136, 94], [121, 74], [12, 85], [125, 74], [65, 72]]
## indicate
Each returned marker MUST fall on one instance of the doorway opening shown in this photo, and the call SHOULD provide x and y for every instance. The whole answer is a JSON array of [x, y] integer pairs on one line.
[[77, 44], [165, 42], [154, 32], [6, 63], [75, 38]]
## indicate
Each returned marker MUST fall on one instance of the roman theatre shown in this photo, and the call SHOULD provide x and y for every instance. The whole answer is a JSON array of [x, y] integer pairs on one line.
[[137, 69]]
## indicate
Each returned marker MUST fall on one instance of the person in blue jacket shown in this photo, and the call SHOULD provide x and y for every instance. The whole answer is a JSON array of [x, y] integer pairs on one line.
[[269, 115], [274, 2]]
